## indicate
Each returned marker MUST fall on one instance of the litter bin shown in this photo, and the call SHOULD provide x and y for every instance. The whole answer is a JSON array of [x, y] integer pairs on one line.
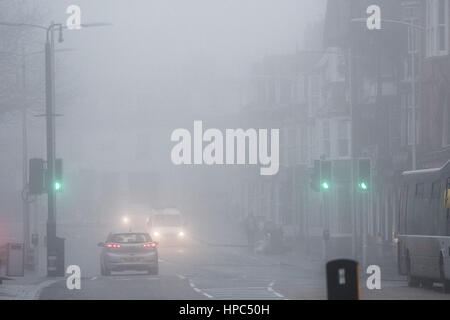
[[15, 258]]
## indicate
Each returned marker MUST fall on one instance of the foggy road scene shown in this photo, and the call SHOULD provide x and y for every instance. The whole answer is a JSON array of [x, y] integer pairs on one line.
[[225, 150]]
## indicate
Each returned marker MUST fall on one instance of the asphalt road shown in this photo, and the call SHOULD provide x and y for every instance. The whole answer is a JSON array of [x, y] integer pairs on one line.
[[194, 271], [199, 271]]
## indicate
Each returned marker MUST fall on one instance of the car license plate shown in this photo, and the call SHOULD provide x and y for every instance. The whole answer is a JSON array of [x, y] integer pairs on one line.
[[132, 259]]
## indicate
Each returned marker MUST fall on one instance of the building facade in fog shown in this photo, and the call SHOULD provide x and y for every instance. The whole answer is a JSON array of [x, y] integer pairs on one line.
[[350, 99]]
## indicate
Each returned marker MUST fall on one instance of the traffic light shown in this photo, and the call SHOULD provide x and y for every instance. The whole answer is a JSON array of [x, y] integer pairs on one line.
[[58, 183], [36, 176], [364, 174], [325, 175], [315, 176]]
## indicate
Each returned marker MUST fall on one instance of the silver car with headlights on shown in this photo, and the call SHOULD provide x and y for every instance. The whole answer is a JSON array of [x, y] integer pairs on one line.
[[129, 251]]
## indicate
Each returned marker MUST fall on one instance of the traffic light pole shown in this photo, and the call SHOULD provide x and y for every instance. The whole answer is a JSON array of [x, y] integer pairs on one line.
[[50, 103], [353, 209], [25, 202]]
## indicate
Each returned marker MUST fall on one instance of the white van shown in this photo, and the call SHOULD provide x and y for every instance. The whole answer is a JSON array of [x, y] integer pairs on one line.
[[167, 224]]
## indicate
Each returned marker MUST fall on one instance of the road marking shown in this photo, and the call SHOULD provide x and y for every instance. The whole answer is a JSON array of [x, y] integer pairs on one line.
[[93, 278], [199, 290], [242, 293], [194, 287], [270, 289], [207, 295]]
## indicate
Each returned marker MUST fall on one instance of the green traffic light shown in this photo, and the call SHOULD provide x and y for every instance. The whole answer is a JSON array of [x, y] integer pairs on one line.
[[363, 186], [58, 186], [325, 185]]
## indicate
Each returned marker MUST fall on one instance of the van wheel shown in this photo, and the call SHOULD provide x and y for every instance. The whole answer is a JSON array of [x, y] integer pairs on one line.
[[444, 281], [412, 281]]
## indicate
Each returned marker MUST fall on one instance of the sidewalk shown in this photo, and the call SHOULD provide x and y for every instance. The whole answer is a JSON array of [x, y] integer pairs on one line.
[[382, 255], [24, 288], [294, 258]]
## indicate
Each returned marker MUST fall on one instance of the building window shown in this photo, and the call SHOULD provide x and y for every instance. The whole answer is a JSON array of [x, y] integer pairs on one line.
[[302, 141], [314, 94], [343, 138], [420, 190], [326, 144], [435, 190], [437, 27], [411, 126], [444, 98], [300, 96]]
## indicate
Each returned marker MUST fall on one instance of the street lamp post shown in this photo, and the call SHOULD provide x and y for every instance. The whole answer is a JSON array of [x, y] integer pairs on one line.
[[411, 27], [53, 256]]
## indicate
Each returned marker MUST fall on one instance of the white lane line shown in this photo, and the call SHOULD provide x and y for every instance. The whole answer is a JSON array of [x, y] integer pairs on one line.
[[199, 290], [270, 289], [195, 288], [279, 295], [93, 278], [152, 278], [207, 295]]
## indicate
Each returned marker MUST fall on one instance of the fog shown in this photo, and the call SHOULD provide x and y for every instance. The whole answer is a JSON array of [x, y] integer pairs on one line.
[[277, 131], [160, 66]]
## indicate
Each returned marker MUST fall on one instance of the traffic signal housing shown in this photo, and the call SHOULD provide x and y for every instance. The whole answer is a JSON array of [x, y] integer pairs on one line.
[[58, 181], [364, 175], [36, 181], [315, 176], [325, 175]]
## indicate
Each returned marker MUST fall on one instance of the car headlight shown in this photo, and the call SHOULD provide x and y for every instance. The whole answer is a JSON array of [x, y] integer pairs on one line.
[[156, 234], [181, 234]]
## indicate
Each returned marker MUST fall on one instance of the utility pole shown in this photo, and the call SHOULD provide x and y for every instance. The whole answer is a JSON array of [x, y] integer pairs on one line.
[[25, 202], [55, 246], [413, 93], [50, 107], [352, 153]]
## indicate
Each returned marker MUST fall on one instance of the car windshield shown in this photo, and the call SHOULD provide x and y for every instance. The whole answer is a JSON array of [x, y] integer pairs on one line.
[[130, 238]]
